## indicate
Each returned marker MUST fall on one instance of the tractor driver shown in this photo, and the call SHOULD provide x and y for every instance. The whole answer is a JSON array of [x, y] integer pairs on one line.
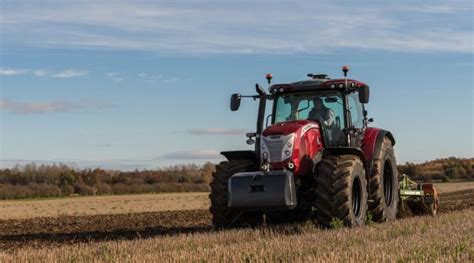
[[326, 116], [321, 113]]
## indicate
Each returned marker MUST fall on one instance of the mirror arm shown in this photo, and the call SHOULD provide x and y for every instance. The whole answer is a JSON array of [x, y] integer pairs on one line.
[[268, 117]]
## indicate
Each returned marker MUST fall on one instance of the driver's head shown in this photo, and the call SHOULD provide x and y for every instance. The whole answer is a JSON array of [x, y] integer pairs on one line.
[[318, 103]]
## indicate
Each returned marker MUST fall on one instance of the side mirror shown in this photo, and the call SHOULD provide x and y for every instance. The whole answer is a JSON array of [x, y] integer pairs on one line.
[[364, 93], [235, 102]]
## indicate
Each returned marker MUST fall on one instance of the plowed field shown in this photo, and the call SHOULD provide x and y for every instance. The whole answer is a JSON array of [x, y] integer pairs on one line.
[[60, 230]]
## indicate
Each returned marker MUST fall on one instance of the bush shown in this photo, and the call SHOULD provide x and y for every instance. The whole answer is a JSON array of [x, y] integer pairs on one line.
[[60, 180], [83, 189]]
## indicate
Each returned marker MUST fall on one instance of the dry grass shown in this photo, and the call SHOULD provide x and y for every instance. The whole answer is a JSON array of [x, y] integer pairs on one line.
[[448, 237], [102, 205]]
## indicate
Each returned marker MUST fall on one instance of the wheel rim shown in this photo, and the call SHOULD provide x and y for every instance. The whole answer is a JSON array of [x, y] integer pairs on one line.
[[388, 183], [356, 196]]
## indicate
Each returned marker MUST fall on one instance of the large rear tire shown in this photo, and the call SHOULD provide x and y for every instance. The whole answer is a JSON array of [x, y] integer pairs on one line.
[[383, 183], [341, 191], [222, 215]]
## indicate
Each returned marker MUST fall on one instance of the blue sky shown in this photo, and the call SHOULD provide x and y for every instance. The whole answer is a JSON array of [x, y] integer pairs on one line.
[[145, 84]]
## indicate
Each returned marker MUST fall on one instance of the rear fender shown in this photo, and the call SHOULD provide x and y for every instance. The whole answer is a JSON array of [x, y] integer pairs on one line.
[[372, 143]]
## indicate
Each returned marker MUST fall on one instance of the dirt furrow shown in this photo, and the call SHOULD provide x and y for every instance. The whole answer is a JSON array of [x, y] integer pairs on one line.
[[46, 231]]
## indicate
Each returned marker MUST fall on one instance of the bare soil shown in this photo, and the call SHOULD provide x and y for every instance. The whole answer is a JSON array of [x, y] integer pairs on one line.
[[55, 231]]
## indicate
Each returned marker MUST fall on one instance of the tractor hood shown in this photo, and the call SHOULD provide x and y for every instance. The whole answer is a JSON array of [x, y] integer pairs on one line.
[[289, 127], [291, 145]]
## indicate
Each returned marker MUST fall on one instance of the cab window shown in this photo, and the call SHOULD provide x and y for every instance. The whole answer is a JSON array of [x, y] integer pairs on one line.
[[355, 108]]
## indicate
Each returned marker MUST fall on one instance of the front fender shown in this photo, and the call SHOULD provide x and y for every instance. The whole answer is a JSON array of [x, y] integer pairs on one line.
[[352, 151]]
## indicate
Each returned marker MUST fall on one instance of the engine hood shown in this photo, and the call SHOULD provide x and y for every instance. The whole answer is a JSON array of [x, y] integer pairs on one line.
[[289, 127]]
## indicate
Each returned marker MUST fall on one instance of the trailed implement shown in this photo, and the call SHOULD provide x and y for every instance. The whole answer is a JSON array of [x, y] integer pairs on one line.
[[419, 198]]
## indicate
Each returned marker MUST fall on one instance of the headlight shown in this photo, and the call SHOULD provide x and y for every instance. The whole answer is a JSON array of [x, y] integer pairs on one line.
[[277, 148], [264, 150], [289, 142]]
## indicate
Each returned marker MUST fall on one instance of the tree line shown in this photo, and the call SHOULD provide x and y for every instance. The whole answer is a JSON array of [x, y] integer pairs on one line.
[[448, 169], [57, 180]]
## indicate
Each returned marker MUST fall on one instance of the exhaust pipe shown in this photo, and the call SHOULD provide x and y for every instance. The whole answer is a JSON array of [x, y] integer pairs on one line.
[[261, 115]]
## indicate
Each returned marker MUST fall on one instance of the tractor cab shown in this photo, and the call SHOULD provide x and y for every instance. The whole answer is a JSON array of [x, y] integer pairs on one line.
[[310, 115], [316, 101]]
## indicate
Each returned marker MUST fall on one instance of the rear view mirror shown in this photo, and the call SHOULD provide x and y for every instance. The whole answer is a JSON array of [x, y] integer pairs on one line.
[[364, 93], [235, 102], [330, 100]]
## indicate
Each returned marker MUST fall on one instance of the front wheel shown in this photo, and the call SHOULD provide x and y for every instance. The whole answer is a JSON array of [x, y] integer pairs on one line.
[[341, 191]]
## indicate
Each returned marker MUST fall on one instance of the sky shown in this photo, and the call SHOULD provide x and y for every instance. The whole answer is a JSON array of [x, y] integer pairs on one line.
[[146, 84]]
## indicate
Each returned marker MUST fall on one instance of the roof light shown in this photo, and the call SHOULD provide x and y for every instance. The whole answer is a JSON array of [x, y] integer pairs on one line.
[[269, 77], [345, 69]]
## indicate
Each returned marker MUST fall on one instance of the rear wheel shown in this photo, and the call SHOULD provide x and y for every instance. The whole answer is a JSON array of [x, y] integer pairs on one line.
[[341, 191], [222, 215], [383, 183]]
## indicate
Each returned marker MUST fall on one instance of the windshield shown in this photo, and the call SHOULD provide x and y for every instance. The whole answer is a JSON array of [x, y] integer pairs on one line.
[[324, 106]]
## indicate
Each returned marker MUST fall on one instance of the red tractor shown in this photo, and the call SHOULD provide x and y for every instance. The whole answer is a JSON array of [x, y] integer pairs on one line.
[[317, 159]]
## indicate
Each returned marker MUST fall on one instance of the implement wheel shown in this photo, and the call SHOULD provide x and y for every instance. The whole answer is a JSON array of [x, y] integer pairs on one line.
[[341, 191]]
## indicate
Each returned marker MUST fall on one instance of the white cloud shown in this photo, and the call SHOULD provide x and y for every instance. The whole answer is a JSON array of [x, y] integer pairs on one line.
[[170, 80], [26, 108], [41, 73], [68, 73], [216, 131], [115, 77], [111, 74], [194, 155], [256, 27], [157, 78], [63, 74], [12, 72]]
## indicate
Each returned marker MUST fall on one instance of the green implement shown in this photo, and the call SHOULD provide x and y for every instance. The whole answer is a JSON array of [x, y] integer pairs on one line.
[[420, 198]]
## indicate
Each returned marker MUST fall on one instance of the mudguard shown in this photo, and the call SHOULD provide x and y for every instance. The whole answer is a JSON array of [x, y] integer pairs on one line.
[[372, 143], [349, 150]]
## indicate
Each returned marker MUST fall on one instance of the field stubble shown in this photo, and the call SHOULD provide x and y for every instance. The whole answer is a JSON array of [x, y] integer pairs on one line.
[[187, 235]]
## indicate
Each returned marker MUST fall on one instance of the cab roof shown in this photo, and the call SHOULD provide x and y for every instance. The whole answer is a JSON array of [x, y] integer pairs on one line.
[[316, 84]]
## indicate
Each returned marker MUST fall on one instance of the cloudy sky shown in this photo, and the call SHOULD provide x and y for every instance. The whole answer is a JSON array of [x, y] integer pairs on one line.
[[143, 84]]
